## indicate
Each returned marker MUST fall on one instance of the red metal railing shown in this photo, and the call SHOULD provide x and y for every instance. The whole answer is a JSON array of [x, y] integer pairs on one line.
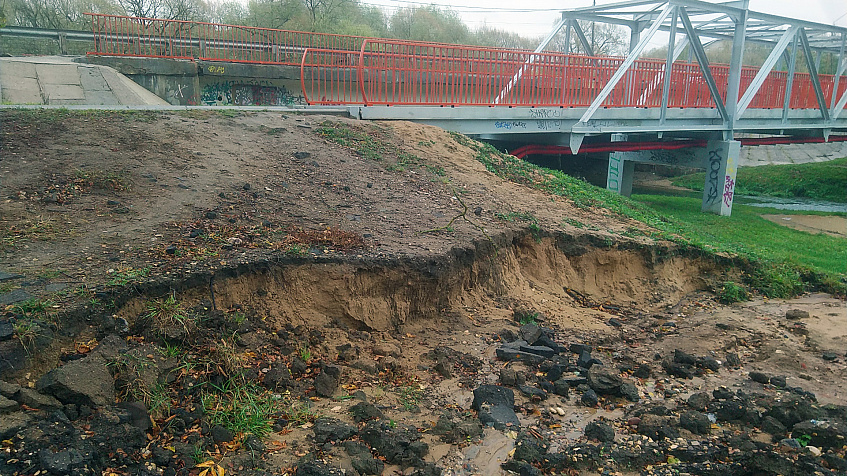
[[393, 72], [342, 69]]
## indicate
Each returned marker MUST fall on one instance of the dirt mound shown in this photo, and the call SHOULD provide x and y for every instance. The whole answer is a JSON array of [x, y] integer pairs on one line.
[[296, 294]]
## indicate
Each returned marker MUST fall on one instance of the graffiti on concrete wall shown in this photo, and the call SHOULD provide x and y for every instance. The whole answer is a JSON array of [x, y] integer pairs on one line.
[[254, 93], [713, 175]]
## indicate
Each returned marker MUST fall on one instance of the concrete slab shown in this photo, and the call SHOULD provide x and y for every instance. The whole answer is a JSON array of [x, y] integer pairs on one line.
[[92, 80], [17, 69], [58, 92], [101, 98], [128, 92], [22, 96], [21, 84], [58, 73], [69, 102]]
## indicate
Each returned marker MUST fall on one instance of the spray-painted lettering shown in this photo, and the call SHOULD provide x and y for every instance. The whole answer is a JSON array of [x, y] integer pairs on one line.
[[613, 177], [714, 175], [544, 113], [240, 94], [510, 125], [548, 125], [728, 191]]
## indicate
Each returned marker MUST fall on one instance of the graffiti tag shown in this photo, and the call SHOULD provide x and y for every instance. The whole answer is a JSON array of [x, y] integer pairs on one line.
[[728, 191], [714, 173], [216, 69], [544, 113], [548, 125], [510, 125]]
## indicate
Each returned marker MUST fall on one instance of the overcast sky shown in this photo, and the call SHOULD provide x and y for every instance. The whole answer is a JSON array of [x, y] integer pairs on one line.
[[536, 17]]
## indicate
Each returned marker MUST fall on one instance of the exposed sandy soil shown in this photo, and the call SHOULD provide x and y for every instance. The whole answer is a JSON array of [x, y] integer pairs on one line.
[[260, 212], [831, 225]]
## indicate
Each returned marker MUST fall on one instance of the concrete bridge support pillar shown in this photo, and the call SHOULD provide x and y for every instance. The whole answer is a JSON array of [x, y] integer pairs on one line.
[[619, 175], [721, 166]]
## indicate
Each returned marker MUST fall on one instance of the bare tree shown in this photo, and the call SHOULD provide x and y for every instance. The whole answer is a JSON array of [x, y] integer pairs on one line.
[[607, 39]]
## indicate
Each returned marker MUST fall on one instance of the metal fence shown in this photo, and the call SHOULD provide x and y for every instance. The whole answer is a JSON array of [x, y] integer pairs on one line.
[[392, 72]]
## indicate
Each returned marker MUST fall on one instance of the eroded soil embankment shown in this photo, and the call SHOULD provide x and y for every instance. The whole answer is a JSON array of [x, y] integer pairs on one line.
[[512, 268]]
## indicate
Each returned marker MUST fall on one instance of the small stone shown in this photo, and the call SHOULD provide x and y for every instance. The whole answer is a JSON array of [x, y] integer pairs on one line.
[[796, 314], [221, 434], [31, 398], [778, 381], [722, 393], [830, 356], [171, 250], [7, 405], [7, 330], [327, 382], [699, 401], [331, 429], [732, 360], [579, 348], [8, 389], [12, 423], [590, 398], [302, 155], [561, 387], [759, 377], [510, 355], [211, 215], [643, 371], [508, 377], [533, 393], [530, 333], [585, 360], [695, 422], [599, 431], [630, 392], [790, 444], [681, 357], [364, 411], [814, 450]]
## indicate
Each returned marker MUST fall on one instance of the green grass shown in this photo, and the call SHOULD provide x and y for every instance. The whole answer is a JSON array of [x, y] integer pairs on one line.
[[167, 314], [410, 397], [818, 180], [730, 292], [362, 142], [785, 257], [125, 276], [242, 408]]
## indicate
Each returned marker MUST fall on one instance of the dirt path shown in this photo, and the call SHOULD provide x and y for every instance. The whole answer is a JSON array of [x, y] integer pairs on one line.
[[831, 225]]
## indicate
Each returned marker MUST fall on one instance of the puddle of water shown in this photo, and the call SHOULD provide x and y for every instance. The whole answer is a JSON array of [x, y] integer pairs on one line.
[[798, 204]]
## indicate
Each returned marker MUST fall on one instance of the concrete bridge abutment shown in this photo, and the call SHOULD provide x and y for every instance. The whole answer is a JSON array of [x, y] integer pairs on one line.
[[719, 158]]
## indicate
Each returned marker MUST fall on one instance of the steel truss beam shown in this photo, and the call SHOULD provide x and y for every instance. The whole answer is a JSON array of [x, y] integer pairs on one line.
[[732, 21]]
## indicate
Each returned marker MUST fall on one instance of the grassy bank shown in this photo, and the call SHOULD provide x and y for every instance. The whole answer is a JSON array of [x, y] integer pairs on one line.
[[819, 180], [779, 261], [786, 257]]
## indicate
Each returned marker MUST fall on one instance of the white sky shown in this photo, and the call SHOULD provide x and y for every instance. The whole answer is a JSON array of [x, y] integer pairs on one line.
[[538, 16]]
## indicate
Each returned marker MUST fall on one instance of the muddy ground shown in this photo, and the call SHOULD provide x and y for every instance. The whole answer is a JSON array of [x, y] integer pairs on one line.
[[367, 284]]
